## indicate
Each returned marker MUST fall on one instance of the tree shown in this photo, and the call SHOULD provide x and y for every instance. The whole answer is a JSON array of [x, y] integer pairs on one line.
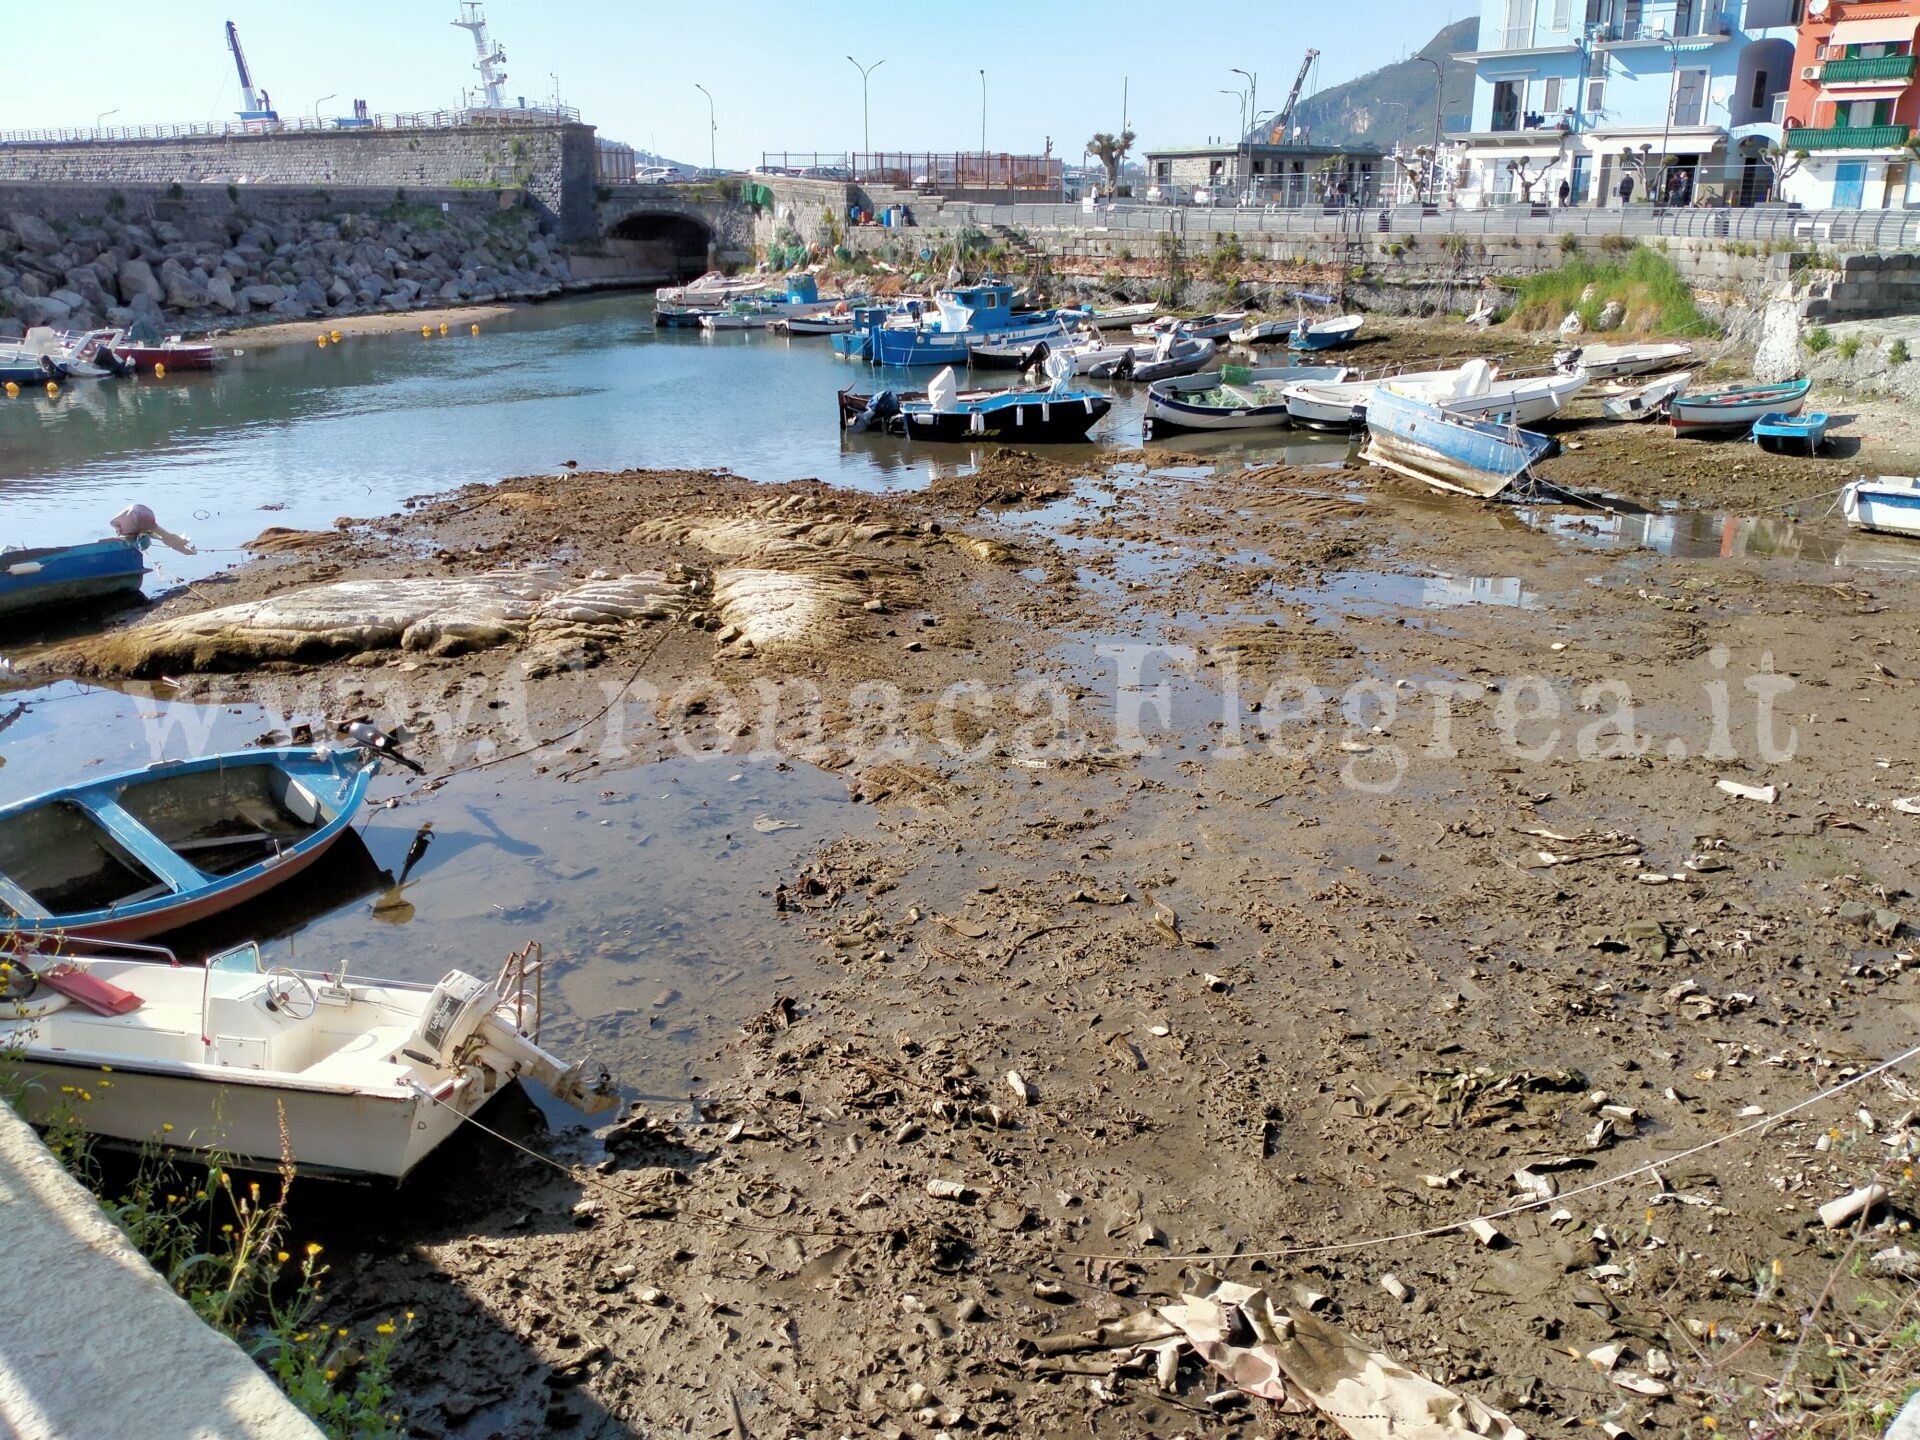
[[1635, 163], [1526, 178], [1110, 150], [1784, 165]]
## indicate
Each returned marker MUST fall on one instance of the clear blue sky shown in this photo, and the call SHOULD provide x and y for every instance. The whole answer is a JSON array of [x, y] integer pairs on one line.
[[778, 73]]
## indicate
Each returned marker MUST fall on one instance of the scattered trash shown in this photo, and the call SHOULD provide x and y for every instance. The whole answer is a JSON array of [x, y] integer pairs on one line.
[[1639, 1384], [949, 1190], [1836, 1213], [1605, 1357], [1908, 805], [1396, 1287], [1486, 1233], [767, 825], [1765, 794], [1022, 1091]]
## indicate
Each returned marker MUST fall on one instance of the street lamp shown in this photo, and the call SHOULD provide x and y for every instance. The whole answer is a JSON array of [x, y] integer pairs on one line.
[[1439, 93], [983, 112], [318, 103], [1253, 92], [713, 129], [866, 131], [103, 115]]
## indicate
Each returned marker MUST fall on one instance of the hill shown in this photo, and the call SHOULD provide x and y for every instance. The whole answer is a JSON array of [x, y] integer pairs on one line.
[[1395, 102]]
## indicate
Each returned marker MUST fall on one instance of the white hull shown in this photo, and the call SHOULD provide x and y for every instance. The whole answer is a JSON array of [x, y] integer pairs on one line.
[[1648, 401], [1889, 505], [1518, 402], [1605, 362], [1121, 316]]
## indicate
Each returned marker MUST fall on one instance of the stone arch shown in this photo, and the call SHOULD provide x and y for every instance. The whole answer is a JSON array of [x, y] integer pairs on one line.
[[668, 242]]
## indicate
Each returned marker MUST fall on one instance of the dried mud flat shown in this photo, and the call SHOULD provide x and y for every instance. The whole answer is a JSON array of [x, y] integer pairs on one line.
[[1273, 998]]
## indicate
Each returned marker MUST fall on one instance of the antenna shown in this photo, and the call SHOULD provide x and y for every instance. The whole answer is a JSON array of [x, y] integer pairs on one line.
[[492, 58]]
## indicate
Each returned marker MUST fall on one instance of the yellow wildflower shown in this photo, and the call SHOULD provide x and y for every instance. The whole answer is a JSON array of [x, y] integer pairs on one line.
[[409, 1317], [312, 1249], [226, 1229], [342, 1332], [281, 1256], [166, 1126], [329, 1376], [385, 1327]]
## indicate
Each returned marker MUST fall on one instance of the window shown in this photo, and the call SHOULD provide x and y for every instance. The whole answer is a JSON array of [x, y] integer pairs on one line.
[[1550, 103], [1506, 104], [1562, 15], [1758, 99], [1690, 98], [1596, 94], [1519, 35]]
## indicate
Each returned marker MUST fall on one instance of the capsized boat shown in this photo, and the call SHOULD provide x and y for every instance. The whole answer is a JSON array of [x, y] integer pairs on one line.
[[1780, 433], [1603, 362], [1648, 400], [142, 853], [1722, 411], [1233, 398], [1414, 436], [1887, 503], [363, 1078], [943, 411]]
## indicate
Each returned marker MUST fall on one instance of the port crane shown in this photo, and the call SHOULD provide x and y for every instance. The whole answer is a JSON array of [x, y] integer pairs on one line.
[[1285, 121], [258, 109], [493, 79]]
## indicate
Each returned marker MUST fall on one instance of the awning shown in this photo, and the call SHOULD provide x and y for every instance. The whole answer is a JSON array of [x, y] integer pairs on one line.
[[1869, 92], [1881, 31]]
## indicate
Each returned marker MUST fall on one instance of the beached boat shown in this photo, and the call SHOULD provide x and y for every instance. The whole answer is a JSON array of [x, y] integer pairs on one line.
[[1168, 357], [1473, 391], [70, 576], [1218, 326], [1649, 400], [352, 1077], [139, 854], [1327, 334], [1416, 437], [1343, 405], [945, 412], [1603, 362], [1118, 317], [1230, 399], [1887, 503], [1781, 433], [1735, 410]]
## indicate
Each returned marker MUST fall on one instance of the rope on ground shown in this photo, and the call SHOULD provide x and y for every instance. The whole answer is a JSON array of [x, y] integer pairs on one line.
[[1651, 1167]]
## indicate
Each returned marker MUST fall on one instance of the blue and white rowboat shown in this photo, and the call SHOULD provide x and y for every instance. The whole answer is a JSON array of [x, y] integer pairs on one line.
[[1469, 457], [69, 575], [1887, 503]]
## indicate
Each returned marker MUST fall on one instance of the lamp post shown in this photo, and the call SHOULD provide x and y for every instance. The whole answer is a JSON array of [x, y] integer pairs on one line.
[[983, 112], [713, 130], [316, 107], [1439, 92], [1241, 96], [1253, 93], [103, 115], [866, 131]]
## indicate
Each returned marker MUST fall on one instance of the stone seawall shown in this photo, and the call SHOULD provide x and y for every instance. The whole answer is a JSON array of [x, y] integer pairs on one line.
[[201, 257], [554, 163]]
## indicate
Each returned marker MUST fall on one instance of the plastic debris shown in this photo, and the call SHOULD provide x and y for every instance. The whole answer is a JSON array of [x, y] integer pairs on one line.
[[1639, 1384], [949, 1190], [1486, 1233], [767, 825], [1765, 794], [1022, 1091], [1606, 1357], [1836, 1213], [1396, 1287]]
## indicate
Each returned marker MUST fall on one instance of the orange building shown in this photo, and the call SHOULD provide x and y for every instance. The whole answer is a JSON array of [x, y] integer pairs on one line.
[[1853, 106]]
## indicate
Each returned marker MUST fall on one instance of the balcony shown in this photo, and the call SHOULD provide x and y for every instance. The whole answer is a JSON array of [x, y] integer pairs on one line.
[[1854, 72], [1849, 137]]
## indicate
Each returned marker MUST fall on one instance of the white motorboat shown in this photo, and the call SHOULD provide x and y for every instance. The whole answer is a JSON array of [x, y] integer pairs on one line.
[[1343, 406], [1119, 317], [1472, 392], [82, 355], [1887, 503], [1169, 356], [711, 291], [1200, 327], [1229, 399], [1645, 402], [362, 1077], [1604, 362], [829, 324]]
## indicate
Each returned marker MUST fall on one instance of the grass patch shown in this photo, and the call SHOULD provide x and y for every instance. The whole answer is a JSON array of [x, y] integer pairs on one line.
[[1819, 339], [1656, 299], [1897, 353], [1849, 347]]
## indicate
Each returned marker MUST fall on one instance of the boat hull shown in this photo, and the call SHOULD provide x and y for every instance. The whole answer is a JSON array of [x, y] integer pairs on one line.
[[1170, 410], [1037, 419], [174, 357], [1419, 439], [1886, 506], [71, 575], [1734, 410]]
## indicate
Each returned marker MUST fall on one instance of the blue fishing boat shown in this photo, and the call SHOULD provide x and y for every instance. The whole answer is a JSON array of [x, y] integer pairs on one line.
[[1419, 439], [139, 854], [1322, 334], [1887, 503], [70, 575], [961, 317], [945, 412], [1777, 432]]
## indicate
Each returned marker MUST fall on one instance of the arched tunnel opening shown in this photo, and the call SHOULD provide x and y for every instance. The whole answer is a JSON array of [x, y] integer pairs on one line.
[[674, 246]]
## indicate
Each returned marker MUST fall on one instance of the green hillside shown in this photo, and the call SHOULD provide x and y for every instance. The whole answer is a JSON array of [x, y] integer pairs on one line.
[[1395, 102]]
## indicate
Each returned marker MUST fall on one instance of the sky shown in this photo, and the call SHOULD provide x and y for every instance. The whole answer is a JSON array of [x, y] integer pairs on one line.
[[779, 74]]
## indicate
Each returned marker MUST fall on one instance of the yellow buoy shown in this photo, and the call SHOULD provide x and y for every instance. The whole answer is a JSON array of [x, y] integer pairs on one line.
[[443, 327], [426, 332], [336, 337], [12, 390], [52, 388], [159, 370], [473, 330], [323, 342]]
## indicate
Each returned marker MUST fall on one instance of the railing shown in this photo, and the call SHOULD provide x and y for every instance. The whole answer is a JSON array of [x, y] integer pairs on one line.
[[915, 170], [1883, 67], [417, 120], [1849, 137]]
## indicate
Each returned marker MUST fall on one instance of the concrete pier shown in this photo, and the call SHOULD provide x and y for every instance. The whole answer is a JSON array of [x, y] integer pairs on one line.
[[93, 1343]]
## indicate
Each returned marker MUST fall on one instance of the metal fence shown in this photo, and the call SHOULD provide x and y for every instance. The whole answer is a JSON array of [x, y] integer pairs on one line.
[[923, 169], [1850, 230], [417, 120]]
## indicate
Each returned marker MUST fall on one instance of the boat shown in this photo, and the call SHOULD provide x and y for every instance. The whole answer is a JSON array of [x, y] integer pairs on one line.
[[1234, 398], [1118, 317], [1414, 436], [63, 576], [1603, 362], [1647, 401], [1031, 354], [1324, 334], [21, 366], [138, 854], [1217, 326], [84, 355], [1168, 357], [943, 411], [1261, 332], [1779, 433], [711, 291], [1736, 409], [739, 315], [836, 322], [963, 316], [1343, 405], [145, 348], [1474, 391], [1521, 400], [256, 1063], [682, 317], [1889, 504]]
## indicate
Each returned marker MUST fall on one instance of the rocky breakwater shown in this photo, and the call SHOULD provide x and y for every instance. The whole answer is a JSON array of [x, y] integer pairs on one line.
[[215, 272]]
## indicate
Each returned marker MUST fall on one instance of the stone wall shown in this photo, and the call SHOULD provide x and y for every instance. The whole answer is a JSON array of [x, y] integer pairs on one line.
[[553, 163], [76, 256]]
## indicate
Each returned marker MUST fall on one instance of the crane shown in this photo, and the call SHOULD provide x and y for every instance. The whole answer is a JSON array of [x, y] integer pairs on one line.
[[1285, 122], [492, 78], [259, 109]]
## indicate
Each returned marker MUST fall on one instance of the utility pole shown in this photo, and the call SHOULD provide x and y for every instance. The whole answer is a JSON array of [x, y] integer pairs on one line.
[[713, 129]]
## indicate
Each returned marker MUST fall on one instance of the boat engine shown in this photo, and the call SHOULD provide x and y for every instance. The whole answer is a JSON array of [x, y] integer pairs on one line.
[[882, 406], [466, 1024]]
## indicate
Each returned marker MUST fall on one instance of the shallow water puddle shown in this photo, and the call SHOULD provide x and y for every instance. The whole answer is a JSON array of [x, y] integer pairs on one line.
[[1704, 535]]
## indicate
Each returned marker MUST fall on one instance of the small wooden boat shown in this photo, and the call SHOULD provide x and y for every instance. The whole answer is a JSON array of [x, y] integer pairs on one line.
[[1167, 358], [1416, 437], [1218, 326], [1230, 399], [1648, 401], [139, 854], [1342, 405], [1603, 362], [1779, 433], [70, 575], [1261, 332], [1737, 409], [1118, 317], [362, 1078], [1474, 391], [1324, 334], [944, 412], [1889, 504], [681, 317]]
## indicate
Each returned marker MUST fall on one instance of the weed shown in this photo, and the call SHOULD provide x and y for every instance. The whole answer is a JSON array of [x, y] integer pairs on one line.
[[1819, 339], [1569, 243], [1848, 347], [1897, 353], [1617, 244], [1647, 286]]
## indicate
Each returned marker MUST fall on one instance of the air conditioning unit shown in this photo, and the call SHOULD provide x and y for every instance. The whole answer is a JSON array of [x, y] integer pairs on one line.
[[1809, 72]]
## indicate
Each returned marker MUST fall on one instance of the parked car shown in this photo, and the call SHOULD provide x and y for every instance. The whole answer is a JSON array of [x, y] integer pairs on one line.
[[1165, 193], [1203, 195], [659, 175]]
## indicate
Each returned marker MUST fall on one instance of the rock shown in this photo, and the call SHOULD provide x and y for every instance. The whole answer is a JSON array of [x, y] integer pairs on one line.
[[1571, 326], [1612, 315], [136, 278], [263, 296], [1906, 1425], [34, 311], [1779, 357], [35, 233], [220, 293]]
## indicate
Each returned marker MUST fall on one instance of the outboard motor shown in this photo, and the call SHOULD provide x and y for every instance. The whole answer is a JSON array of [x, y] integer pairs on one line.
[[882, 406], [1035, 357], [1123, 368], [464, 1025]]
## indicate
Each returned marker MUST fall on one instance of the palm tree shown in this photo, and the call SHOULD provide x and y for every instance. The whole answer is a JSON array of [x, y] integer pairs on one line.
[[1111, 150]]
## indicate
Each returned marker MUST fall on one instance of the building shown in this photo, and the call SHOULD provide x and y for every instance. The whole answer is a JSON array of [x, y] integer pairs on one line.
[[1681, 97], [1853, 106], [1301, 173]]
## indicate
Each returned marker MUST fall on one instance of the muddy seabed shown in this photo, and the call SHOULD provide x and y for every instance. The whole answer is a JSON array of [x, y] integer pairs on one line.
[[1267, 982]]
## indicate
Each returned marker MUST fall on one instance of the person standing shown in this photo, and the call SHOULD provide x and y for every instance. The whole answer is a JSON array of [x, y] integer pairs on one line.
[[1626, 190], [1566, 191]]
